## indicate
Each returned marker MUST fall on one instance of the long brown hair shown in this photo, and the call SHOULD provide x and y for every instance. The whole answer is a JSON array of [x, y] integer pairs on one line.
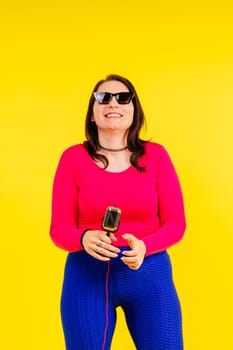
[[134, 143]]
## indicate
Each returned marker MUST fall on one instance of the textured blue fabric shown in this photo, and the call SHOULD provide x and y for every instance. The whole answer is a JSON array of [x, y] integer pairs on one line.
[[147, 297]]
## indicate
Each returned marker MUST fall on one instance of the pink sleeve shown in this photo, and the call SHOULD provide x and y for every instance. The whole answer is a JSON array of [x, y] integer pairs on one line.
[[171, 209], [63, 228]]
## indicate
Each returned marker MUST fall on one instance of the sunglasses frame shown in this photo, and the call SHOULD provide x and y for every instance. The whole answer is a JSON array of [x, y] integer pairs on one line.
[[116, 95]]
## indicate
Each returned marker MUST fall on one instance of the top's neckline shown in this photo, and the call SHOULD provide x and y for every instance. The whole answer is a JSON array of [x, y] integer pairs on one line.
[[105, 170]]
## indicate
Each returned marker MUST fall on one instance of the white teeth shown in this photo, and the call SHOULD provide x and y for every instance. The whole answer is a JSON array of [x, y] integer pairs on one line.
[[113, 115]]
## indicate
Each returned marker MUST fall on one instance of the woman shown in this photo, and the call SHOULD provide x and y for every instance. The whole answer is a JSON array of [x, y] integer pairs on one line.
[[131, 267]]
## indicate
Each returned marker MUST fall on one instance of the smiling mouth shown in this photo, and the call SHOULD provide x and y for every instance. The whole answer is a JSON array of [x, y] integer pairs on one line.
[[113, 115]]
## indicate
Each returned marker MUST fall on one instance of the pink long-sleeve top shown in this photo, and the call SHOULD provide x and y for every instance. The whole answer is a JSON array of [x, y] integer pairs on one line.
[[151, 202]]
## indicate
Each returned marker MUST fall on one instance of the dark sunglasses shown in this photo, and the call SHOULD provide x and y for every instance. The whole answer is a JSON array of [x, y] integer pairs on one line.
[[123, 98]]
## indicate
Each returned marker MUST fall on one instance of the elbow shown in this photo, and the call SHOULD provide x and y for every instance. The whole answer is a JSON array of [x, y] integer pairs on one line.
[[56, 238], [181, 227], [53, 236]]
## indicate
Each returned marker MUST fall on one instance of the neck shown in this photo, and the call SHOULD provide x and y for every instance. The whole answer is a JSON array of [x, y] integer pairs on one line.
[[112, 142]]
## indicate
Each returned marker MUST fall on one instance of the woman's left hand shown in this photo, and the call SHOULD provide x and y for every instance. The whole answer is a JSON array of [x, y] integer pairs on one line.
[[134, 257]]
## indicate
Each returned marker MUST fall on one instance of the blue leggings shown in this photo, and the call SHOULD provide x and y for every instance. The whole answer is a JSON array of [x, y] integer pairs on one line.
[[92, 290]]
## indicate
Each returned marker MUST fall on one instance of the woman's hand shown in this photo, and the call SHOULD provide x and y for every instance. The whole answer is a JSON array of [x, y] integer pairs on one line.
[[134, 257], [97, 244]]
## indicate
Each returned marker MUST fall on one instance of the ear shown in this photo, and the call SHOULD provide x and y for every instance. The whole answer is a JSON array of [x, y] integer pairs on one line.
[[92, 118]]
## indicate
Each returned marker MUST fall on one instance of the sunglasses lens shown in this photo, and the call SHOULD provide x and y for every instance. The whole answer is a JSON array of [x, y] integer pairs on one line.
[[103, 97], [124, 97]]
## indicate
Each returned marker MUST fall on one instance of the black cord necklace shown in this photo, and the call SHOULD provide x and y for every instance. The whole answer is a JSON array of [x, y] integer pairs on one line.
[[113, 149]]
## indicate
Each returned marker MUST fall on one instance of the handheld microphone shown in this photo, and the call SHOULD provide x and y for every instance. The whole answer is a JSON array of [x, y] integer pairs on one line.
[[111, 219]]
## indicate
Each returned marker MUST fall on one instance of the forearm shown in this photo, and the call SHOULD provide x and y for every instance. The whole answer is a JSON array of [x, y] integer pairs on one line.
[[66, 238], [165, 237]]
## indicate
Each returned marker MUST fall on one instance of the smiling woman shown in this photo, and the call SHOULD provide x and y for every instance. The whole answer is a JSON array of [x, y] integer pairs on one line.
[[114, 168]]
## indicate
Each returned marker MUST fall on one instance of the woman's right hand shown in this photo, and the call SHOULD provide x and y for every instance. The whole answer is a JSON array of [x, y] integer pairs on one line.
[[97, 244]]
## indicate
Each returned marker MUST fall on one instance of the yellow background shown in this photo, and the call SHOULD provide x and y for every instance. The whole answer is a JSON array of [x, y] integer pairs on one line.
[[179, 56]]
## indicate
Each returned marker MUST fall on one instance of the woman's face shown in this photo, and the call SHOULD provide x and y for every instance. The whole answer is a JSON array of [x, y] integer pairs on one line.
[[113, 116]]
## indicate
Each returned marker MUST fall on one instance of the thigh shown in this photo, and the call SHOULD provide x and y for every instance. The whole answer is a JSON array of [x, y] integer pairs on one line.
[[83, 304], [153, 311]]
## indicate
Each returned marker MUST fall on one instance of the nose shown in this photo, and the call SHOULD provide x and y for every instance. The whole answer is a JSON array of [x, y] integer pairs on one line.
[[113, 103]]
